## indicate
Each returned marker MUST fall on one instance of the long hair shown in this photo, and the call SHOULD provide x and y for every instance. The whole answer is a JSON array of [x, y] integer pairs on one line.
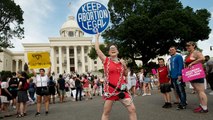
[[131, 72]]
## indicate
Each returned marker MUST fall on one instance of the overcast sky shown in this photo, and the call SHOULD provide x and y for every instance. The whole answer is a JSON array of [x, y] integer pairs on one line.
[[44, 18]]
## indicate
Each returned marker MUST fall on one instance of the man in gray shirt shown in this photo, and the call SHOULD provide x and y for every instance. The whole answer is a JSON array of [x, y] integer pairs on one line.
[[209, 72]]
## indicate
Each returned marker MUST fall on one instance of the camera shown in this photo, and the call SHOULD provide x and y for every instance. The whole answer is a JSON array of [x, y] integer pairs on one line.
[[121, 95]]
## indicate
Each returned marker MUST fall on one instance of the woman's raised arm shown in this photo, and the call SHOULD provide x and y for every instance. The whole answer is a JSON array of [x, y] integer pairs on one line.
[[98, 51]]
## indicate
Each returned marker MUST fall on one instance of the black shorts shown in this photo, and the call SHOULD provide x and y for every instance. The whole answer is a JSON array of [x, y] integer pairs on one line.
[[201, 80], [14, 93], [52, 91], [165, 88], [42, 91]]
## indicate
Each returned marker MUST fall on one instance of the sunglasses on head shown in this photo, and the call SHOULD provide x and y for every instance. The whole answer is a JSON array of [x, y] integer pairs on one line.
[[112, 47]]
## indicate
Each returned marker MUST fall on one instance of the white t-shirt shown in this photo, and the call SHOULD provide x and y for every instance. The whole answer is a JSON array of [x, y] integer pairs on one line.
[[72, 83], [141, 77], [4, 85], [133, 77], [41, 81]]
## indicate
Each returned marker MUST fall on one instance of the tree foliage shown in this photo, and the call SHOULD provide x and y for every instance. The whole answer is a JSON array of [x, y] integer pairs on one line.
[[93, 55], [144, 29], [11, 19]]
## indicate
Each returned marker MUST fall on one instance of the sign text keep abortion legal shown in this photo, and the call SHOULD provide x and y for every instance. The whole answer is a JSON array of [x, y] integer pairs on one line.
[[93, 16]]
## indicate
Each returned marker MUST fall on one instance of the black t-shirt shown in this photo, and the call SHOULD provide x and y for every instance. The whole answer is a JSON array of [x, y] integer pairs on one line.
[[78, 83], [23, 80], [51, 84], [13, 84], [61, 83]]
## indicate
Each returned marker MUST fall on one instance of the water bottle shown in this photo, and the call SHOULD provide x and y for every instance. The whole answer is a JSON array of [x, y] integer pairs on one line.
[[178, 82]]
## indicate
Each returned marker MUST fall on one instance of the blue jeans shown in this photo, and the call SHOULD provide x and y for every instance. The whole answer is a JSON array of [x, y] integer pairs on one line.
[[180, 90], [32, 95]]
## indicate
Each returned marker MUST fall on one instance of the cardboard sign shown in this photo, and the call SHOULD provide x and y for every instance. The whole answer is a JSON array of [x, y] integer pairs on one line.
[[193, 73], [93, 17], [39, 60]]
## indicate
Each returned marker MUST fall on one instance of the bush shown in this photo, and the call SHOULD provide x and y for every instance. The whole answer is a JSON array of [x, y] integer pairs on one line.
[[6, 73]]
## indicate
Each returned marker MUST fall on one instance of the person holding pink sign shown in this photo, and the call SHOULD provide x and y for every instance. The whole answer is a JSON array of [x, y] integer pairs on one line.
[[195, 57]]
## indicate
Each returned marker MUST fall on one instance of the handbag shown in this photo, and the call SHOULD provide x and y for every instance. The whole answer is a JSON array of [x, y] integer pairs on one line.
[[121, 93], [44, 90]]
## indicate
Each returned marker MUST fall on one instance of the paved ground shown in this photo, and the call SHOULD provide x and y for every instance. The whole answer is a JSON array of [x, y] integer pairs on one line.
[[148, 108]]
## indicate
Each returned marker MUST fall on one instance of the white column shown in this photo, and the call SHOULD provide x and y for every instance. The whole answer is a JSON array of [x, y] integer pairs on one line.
[[17, 65], [25, 57], [12, 66], [82, 59], [52, 56], [68, 59], [60, 60], [22, 63], [76, 58], [90, 61]]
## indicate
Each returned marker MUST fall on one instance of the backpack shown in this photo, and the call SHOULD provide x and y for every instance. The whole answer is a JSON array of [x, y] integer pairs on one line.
[[51, 83], [26, 86]]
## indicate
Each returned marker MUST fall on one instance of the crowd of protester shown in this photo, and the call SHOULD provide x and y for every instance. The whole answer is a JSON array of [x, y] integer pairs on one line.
[[19, 89]]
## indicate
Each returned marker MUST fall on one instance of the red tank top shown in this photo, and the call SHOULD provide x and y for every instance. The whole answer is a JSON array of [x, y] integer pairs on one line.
[[188, 59]]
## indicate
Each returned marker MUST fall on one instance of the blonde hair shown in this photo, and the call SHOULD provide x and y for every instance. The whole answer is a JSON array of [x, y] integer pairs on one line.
[[192, 43]]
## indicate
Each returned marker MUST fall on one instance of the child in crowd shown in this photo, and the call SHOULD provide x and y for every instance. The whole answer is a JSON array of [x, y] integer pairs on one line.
[[147, 84], [164, 83]]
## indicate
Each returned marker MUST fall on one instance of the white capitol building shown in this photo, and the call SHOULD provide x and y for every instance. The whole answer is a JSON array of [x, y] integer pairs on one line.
[[68, 53]]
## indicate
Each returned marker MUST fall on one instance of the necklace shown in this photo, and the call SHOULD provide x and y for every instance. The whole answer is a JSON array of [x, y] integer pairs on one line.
[[108, 94]]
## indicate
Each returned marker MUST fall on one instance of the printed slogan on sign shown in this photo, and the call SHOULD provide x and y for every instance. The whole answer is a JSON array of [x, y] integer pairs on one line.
[[93, 17], [38, 60], [193, 73]]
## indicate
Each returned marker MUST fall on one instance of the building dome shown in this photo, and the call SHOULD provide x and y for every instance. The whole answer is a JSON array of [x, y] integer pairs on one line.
[[70, 28], [70, 23]]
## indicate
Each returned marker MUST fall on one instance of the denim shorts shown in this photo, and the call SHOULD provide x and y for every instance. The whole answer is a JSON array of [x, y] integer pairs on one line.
[[147, 80]]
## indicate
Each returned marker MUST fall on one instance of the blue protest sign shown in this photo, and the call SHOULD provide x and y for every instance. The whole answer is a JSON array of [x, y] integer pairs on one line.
[[93, 17]]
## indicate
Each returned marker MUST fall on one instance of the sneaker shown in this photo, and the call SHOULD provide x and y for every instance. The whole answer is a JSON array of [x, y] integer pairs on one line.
[[37, 114], [164, 106], [169, 105], [181, 107], [46, 113], [19, 116], [200, 110], [149, 94], [14, 107], [144, 94], [211, 93]]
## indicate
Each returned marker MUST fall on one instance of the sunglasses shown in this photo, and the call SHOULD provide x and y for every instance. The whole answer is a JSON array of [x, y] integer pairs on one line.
[[112, 47]]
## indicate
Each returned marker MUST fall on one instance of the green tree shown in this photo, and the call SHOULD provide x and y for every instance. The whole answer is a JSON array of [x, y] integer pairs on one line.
[[11, 19], [144, 29], [93, 55]]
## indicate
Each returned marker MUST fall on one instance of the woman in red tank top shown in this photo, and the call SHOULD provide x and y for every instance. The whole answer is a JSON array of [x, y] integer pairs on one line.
[[115, 73], [193, 58]]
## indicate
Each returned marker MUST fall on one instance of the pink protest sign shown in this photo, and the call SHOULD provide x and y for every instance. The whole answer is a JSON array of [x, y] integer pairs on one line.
[[154, 71], [195, 72]]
